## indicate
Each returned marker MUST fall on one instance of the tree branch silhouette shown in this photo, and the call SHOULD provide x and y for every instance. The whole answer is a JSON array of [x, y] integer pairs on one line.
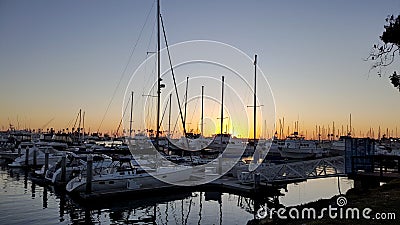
[[384, 54]]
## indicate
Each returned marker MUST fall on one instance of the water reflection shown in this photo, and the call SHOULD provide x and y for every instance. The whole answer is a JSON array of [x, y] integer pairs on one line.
[[178, 208], [33, 186], [45, 197], [312, 190], [199, 207], [62, 205]]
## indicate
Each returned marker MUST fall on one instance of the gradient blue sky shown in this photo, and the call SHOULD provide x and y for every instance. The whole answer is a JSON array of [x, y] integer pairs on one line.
[[59, 56]]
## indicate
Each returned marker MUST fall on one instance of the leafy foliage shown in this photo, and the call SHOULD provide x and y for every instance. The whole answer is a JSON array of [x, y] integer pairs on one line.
[[384, 54], [395, 79], [392, 31]]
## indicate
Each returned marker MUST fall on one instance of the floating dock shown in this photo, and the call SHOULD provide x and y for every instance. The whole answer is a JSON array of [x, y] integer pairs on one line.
[[224, 184]]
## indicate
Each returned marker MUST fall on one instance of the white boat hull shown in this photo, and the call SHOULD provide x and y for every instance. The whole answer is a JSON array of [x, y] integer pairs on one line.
[[297, 153], [40, 161], [110, 182], [55, 177]]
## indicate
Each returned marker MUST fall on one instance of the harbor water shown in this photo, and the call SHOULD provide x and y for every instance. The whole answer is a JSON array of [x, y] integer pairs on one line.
[[22, 201]]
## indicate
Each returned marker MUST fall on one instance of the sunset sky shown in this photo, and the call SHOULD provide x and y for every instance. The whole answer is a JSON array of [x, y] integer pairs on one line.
[[57, 57]]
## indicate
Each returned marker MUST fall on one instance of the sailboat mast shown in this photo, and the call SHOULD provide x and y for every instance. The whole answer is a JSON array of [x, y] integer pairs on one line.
[[169, 115], [79, 126], [202, 110], [186, 93], [130, 121], [350, 125], [83, 126], [255, 101], [222, 109], [158, 73]]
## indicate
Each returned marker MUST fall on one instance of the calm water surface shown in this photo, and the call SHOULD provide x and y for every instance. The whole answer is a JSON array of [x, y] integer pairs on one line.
[[24, 202]]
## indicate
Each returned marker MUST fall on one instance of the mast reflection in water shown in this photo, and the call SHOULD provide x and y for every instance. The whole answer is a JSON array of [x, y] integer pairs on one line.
[[24, 202]]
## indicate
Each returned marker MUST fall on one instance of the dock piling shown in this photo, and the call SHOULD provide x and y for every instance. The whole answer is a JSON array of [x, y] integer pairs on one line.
[[220, 165], [257, 180], [46, 161], [63, 168], [27, 156], [89, 166], [34, 158]]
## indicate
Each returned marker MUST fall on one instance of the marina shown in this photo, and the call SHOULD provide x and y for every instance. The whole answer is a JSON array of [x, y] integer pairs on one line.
[[50, 205], [141, 198], [226, 112]]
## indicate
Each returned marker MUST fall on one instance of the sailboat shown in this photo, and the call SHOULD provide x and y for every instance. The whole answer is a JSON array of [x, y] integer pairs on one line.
[[36, 156], [74, 165], [123, 176], [192, 141], [296, 147]]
